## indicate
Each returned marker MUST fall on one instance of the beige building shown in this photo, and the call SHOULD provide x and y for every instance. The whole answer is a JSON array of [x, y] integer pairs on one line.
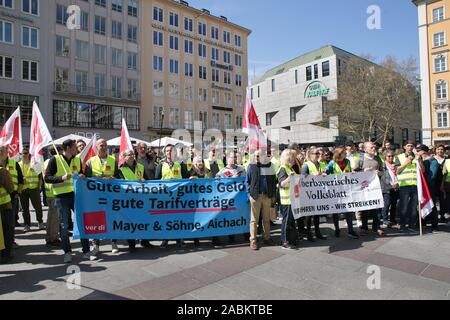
[[434, 28], [194, 68]]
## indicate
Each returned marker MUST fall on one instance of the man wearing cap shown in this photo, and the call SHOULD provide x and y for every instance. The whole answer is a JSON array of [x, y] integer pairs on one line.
[[406, 165]]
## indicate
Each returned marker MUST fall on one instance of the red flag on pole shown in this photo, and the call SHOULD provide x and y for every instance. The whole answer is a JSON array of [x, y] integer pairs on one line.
[[125, 142], [425, 200], [11, 135], [257, 139], [89, 152], [39, 138]]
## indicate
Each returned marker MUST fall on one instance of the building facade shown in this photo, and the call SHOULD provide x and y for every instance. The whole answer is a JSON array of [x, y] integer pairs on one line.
[[291, 100], [434, 27], [87, 79]]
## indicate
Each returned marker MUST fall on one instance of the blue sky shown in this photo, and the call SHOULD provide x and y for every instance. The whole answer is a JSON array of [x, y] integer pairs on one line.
[[285, 29]]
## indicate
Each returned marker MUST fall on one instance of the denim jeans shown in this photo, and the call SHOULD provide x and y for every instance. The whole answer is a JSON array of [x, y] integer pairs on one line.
[[408, 206], [65, 206], [348, 219], [288, 232], [390, 205]]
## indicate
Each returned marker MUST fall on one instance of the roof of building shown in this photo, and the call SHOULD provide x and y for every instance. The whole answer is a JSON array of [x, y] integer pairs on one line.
[[324, 52]]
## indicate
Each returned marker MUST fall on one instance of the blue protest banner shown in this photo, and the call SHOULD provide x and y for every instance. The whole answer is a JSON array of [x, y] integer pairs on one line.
[[158, 210]]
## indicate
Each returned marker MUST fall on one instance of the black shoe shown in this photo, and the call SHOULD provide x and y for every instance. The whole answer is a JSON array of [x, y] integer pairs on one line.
[[132, 248], [216, 243], [181, 244], [196, 242], [337, 233], [232, 239], [164, 244], [353, 235], [310, 237], [321, 237], [146, 244]]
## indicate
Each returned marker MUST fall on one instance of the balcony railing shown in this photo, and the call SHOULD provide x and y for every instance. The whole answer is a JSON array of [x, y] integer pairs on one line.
[[96, 93]]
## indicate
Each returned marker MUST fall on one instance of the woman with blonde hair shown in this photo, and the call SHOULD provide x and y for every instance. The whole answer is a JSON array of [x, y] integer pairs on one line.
[[198, 170], [341, 165], [288, 234]]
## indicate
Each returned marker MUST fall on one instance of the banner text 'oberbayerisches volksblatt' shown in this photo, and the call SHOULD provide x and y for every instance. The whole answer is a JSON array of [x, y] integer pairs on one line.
[[157, 210]]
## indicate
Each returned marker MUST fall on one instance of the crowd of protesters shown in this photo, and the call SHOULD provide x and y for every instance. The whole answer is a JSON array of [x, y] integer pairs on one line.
[[267, 175]]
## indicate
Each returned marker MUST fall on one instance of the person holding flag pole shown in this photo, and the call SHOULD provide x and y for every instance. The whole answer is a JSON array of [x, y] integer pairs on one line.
[[426, 204]]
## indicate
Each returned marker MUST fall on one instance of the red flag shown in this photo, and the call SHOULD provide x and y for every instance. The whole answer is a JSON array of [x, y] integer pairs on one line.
[[89, 152], [257, 139], [125, 142], [39, 138], [425, 200], [11, 135]]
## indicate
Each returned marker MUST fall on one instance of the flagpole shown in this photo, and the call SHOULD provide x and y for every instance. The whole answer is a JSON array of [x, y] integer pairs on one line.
[[420, 221]]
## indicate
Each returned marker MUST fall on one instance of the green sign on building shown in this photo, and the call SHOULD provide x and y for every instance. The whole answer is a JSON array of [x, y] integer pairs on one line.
[[316, 89]]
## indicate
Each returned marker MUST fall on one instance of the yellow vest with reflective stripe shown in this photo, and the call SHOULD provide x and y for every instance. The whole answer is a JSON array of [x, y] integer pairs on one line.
[[337, 169], [4, 195], [219, 163], [409, 176], [285, 193], [11, 167], [48, 186], [31, 177], [137, 175], [106, 169], [174, 173], [447, 166], [313, 169], [65, 186]]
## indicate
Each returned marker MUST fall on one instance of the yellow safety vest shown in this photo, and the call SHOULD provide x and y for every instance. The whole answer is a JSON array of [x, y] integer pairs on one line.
[[107, 169], [337, 169], [61, 164], [174, 173], [313, 169], [48, 186], [11, 167], [2, 240], [447, 166], [285, 193], [30, 176], [219, 163], [189, 164], [245, 161], [4, 195], [137, 175], [409, 176]]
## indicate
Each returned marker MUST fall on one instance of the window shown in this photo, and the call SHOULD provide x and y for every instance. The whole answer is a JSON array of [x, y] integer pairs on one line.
[[294, 113], [237, 40], [189, 120], [325, 69], [202, 50], [215, 33], [101, 3], [269, 118], [132, 33], [100, 54], [158, 38], [438, 14], [308, 73], [238, 80], [158, 88], [442, 119], [215, 97], [132, 61], [259, 92], [202, 28], [6, 32], [174, 118], [215, 75], [6, 67], [116, 29], [82, 50], [441, 89], [188, 69], [61, 79], [405, 135], [62, 46], [228, 122], [316, 71], [188, 93], [100, 25], [239, 100], [30, 37], [132, 8], [157, 63], [440, 63], [173, 43], [81, 82], [216, 120], [7, 3], [239, 122], [238, 60], [84, 21], [188, 46], [116, 5], [228, 99], [30, 7], [202, 72], [203, 117], [158, 14], [251, 93], [132, 89], [157, 118], [226, 57], [439, 39], [215, 54], [202, 95], [188, 26], [296, 76], [116, 58], [116, 87], [99, 85], [226, 37], [61, 14], [173, 66], [173, 19], [174, 91], [273, 85]]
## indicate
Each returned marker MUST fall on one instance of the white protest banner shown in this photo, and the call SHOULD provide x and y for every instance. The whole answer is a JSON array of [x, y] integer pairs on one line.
[[322, 195]]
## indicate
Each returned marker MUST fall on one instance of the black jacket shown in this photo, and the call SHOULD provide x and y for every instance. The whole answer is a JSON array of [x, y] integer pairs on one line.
[[253, 177]]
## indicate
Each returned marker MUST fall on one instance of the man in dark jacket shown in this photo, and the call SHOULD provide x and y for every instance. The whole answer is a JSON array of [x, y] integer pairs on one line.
[[261, 184]]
